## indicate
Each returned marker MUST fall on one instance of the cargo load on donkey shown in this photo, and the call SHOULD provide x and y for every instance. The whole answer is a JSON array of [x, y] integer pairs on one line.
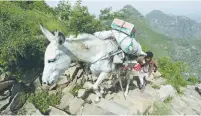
[[126, 40], [123, 27]]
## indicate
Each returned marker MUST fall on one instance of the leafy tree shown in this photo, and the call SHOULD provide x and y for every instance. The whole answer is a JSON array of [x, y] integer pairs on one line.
[[107, 16], [82, 21], [63, 10]]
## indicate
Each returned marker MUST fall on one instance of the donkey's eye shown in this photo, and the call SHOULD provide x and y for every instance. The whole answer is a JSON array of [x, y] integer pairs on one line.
[[51, 60]]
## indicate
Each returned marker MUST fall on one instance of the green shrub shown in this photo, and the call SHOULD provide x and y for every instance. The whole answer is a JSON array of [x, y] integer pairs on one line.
[[173, 72], [42, 100], [193, 80]]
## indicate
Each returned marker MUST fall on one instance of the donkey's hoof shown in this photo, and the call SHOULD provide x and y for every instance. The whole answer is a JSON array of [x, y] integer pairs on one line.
[[95, 87], [125, 94], [97, 100]]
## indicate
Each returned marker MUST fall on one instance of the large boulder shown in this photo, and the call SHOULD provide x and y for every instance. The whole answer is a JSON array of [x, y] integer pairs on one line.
[[18, 101], [65, 101], [29, 109], [75, 105]]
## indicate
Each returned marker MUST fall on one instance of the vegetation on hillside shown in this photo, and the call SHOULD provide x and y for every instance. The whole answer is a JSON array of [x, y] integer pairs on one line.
[[175, 72], [22, 44]]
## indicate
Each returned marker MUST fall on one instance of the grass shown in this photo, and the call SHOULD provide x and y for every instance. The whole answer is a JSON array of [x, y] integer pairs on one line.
[[160, 109], [42, 100], [192, 80], [168, 99]]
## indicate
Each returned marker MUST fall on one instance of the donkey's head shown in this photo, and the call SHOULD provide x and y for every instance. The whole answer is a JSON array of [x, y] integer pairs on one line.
[[57, 59]]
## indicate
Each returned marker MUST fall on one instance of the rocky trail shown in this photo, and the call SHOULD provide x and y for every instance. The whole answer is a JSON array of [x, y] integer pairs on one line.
[[157, 98]]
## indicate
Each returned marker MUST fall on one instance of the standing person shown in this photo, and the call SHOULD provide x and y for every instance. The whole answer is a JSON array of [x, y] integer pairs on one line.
[[147, 67]]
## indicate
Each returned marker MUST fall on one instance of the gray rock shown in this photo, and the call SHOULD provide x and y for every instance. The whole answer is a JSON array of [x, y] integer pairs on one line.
[[90, 109], [37, 82], [166, 91], [112, 107], [69, 88], [75, 104], [79, 73], [63, 80], [91, 98], [81, 93], [71, 72], [18, 101], [4, 102], [55, 111], [87, 85], [4, 85], [65, 101], [29, 109], [2, 77], [157, 74]]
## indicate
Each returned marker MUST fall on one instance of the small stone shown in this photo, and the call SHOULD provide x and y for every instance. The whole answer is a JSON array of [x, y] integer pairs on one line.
[[81, 93], [55, 111], [75, 104], [65, 101]]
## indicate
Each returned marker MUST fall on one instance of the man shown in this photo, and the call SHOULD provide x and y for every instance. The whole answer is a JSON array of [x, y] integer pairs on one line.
[[147, 67]]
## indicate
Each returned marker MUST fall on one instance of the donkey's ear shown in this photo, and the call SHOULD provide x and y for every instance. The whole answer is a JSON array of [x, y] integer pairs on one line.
[[47, 33]]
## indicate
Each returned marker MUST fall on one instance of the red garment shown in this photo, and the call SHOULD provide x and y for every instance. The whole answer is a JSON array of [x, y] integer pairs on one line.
[[137, 67]]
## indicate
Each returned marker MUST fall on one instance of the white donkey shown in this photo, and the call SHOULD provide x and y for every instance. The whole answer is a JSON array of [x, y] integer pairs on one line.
[[86, 47]]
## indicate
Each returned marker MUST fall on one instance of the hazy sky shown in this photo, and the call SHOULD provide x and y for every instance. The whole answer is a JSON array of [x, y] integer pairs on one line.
[[191, 9]]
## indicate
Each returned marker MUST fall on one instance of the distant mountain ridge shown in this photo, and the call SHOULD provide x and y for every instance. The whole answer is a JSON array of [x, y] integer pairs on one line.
[[174, 26]]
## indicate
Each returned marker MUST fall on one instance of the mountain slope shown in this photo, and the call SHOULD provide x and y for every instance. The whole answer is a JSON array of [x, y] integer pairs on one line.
[[162, 45], [174, 26], [152, 40]]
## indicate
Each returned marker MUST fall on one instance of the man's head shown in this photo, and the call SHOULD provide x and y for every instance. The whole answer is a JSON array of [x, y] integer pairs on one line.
[[149, 56]]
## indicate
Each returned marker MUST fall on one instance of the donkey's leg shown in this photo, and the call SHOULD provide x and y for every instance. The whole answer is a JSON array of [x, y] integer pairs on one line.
[[101, 77], [127, 87]]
